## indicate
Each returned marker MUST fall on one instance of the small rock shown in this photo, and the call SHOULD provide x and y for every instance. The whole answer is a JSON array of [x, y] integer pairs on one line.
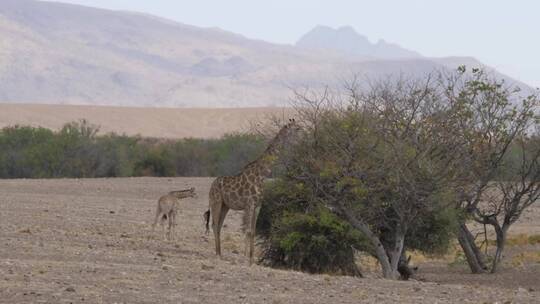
[[111, 212], [531, 289], [417, 289], [206, 267], [521, 290], [70, 289], [124, 235], [235, 251]]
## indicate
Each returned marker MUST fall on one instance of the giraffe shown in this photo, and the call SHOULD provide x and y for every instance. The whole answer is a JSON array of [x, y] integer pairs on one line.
[[243, 191], [167, 208]]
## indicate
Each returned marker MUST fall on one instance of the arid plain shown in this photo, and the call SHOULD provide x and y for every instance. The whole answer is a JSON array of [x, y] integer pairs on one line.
[[146, 122], [90, 240]]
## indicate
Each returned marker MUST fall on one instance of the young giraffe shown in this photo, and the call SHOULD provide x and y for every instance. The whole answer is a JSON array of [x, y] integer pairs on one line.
[[243, 191], [167, 208]]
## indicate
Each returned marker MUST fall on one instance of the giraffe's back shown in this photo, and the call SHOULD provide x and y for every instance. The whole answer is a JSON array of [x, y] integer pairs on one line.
[[167, 203], [234, 191]]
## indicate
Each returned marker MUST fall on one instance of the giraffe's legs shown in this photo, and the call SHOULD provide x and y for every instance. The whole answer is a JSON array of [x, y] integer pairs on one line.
[[174, 223], [162, 223], [252, 224], [216, 208], [172, 219], [247, 230], [156, 220], [159, 219], [224, 210]]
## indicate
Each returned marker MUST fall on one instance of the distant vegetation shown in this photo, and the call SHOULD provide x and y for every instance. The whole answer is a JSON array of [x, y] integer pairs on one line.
[[78, 151]]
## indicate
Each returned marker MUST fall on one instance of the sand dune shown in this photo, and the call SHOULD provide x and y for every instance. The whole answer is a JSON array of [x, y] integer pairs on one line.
[[147, 122]]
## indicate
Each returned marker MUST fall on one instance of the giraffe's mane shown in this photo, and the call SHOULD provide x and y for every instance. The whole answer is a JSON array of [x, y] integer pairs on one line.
[[249, 165], [181, 191]]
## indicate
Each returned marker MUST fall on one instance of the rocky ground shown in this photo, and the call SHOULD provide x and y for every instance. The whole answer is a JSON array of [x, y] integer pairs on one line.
[[90, 241]]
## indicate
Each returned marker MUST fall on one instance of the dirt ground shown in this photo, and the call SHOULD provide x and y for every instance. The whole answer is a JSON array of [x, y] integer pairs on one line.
[[90, 241]]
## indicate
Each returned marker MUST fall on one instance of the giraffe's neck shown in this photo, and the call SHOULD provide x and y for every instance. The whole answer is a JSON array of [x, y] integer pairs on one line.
[[181, 194], [262, 166]]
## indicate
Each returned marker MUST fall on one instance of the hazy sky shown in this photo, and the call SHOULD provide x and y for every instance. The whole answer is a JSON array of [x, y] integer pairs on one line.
[[501, 33]]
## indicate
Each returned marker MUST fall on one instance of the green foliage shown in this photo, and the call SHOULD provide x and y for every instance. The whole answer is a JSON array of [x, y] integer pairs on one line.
[[390, 184], [212, 157], [300, 234], [459, 260], [155, 162], [77, 151], [434, 232]]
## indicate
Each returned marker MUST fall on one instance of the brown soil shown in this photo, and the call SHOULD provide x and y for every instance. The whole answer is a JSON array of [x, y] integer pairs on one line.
[[89, 241], [146, 122]]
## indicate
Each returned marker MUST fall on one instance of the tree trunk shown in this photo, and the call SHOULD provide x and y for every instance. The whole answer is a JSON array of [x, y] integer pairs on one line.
[[474, 257], [501, 240], [380, 252], [397, 250]]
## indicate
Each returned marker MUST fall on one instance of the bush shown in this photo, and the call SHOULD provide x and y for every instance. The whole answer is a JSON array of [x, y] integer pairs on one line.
[[434, 231], [301, 235], [155, 162], [78, 151]]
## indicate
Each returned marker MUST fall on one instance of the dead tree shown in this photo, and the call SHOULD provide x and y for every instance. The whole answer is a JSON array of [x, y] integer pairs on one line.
[[512, 195]]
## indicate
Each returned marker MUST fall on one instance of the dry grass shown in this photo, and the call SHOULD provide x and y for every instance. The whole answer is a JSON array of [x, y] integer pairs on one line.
[[522, 258]]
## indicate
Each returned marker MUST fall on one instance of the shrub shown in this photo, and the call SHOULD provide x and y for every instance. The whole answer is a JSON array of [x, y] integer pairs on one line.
[[301, 235], [156, 162], [78, 151]]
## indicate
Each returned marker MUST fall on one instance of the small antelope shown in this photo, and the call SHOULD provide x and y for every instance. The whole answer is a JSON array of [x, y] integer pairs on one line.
[[167, 208]]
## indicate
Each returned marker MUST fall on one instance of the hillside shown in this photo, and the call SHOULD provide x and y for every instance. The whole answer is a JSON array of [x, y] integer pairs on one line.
[[346, 40], [60, 53]]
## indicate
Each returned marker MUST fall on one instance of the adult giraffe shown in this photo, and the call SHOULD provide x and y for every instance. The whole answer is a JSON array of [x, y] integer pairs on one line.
[[243, 191]]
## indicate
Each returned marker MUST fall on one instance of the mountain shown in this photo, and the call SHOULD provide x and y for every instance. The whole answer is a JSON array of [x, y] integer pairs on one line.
[[347, 40], [59, 53]]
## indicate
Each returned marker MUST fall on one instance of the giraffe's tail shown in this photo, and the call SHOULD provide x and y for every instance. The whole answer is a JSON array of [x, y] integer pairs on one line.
[[207, 219]]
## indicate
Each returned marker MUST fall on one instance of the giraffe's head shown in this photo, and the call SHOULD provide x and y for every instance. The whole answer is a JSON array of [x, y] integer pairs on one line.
[[288, 131], [192, 193], [284, 135], [263, 165]]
